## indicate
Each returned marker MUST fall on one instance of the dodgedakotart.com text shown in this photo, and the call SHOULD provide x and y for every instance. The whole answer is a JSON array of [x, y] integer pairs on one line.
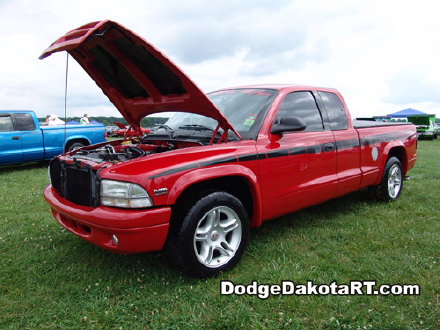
[[288, 288]]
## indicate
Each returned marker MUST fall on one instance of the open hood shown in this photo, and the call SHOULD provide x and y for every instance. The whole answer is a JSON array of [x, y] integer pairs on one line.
[[137, 78]]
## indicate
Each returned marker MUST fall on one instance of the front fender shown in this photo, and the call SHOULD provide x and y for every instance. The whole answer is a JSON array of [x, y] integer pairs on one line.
[[216, 172]]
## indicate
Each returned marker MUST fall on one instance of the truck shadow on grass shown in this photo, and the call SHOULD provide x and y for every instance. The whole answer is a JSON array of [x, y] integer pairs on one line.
[[318, 215], [24, 167]]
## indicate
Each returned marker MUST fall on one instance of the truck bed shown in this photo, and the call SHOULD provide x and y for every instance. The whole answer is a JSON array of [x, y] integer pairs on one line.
[[371, 123]]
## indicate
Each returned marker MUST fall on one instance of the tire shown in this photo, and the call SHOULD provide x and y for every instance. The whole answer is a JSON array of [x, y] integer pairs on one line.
[[210, 237], [74, 145], [392, 182]]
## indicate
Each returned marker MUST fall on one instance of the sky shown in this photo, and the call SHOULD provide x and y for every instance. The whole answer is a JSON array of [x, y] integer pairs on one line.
[[383, 56]]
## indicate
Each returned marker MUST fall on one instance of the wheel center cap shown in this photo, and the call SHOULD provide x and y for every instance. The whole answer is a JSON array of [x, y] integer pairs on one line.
[[214, 235]]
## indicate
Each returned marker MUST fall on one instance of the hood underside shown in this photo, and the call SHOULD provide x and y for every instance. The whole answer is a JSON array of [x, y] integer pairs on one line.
[[137, 78]]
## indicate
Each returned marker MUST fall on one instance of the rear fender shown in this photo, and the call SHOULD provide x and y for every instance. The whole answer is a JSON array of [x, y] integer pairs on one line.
[[76, 137], [389, 149]]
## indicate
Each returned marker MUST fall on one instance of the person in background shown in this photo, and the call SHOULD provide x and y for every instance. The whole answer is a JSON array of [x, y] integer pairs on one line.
[[84, 120], [47, 120], [55, 120]]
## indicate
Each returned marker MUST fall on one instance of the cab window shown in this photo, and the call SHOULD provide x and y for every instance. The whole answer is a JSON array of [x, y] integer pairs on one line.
[[24, 122], [335, 110], [6, 124], [303, 106]]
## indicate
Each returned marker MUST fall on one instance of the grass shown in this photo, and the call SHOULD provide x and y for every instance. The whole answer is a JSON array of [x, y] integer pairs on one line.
[[51, 279]]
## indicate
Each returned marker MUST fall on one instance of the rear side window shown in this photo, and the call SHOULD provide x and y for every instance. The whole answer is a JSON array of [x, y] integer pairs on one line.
[[24, 122], [302, 105], [6, 124], [335, 110]]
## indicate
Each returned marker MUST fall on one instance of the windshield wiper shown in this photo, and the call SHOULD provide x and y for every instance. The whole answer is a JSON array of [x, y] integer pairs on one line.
[[197, 127], [231, 135], [165, 127]]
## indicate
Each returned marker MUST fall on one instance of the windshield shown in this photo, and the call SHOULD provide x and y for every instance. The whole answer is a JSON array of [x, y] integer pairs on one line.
[[245, 108]]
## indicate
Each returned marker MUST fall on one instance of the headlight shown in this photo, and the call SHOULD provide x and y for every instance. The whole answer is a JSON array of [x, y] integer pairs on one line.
[[124, 194]]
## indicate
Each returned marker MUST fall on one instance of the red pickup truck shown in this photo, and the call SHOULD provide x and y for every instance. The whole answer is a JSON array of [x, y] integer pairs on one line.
[[222, 163]]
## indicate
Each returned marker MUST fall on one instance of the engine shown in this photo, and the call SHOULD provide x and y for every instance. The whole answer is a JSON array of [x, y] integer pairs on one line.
[[75, 175], [117, 152]]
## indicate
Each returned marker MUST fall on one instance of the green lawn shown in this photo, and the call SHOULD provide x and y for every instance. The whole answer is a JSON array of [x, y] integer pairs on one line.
[[51, 279]]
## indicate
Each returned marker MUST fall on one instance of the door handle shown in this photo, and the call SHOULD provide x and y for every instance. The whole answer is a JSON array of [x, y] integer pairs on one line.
[[328, 147], [15, 138]]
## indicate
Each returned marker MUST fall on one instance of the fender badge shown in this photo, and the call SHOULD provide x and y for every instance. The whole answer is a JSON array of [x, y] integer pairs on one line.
[[161, 191]]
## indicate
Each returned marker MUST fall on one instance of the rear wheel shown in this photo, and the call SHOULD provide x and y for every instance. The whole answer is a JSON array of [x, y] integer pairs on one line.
[[392, 182], [74, 145], [211, 237]]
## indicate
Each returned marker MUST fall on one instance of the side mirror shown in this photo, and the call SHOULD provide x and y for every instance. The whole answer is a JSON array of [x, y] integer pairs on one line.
[[288, 124]]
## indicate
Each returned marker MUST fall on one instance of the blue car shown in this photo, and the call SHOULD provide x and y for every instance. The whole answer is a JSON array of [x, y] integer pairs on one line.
[[22, 139]]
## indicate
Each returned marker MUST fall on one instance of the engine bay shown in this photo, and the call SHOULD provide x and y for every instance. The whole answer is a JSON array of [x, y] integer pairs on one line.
[[121, 151]]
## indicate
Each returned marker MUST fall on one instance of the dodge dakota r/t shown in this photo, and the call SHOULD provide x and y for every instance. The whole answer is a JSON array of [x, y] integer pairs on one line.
[[223, 162]]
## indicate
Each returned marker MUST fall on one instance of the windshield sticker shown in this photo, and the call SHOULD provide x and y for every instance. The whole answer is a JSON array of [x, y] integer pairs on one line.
[[250, 120]]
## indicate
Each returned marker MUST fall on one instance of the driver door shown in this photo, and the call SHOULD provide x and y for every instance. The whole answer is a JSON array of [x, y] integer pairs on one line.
[[11, 150], [298, 169]]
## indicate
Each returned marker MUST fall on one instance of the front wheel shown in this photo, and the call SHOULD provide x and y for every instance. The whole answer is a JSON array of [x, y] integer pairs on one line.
[[212, 236], [392, 182]]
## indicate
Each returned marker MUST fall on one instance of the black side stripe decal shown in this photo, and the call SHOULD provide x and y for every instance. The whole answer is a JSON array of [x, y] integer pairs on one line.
[[384, 138], [176, 170], [347, 144], [245, 158], [278, 153], [313, 149], [220, 161], [297, 151]]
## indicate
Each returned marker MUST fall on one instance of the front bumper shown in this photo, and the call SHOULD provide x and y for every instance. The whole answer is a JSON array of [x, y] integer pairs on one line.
[[136, 230], [425, 133]]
